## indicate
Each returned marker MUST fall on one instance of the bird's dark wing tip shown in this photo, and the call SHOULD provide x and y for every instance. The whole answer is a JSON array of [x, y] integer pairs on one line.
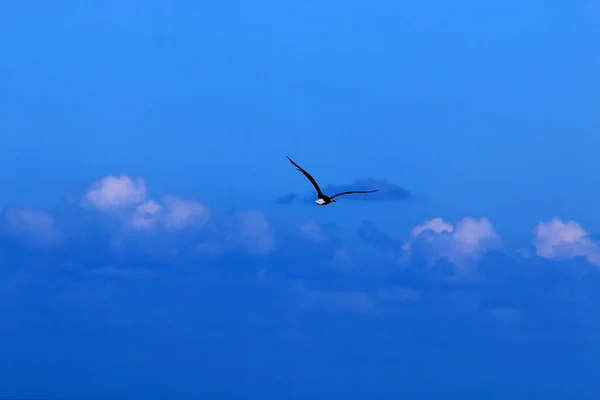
[[297, 166]]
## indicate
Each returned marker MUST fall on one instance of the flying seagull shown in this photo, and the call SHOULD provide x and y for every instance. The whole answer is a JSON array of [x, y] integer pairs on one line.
[[322, 199]]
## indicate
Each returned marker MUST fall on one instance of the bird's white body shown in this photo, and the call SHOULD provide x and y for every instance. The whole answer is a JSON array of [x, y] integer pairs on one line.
[[320, 202]]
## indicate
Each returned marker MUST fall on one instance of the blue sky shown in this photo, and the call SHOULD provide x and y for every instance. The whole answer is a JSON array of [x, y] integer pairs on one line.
[[143, 250]]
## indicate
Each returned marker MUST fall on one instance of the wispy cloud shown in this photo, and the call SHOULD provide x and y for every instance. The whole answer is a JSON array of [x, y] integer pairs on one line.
[[287, 199], [116, 212], [31, 223]]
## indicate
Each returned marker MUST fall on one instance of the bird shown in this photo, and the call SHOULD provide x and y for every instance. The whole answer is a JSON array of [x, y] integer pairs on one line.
[[323, 199]]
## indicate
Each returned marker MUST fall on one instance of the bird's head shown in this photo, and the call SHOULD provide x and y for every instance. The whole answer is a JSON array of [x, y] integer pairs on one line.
[[333, 200]]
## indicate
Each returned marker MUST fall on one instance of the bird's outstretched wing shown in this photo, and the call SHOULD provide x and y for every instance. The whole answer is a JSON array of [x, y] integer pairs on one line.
[[358, 191], [310, 178]]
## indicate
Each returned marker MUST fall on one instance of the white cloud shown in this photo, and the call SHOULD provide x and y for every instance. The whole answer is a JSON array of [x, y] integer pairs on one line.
[[437, 225], [461, 244], [475, 236], [176, 214], [125, 198], [146, 215], [182, 213], [558, 240], [114, 192], [125, 201]]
